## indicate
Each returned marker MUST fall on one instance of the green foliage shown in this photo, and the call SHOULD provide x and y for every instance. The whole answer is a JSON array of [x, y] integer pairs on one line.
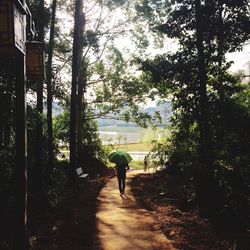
[[107, 78], [118, 90], [61, 127], [159, 151], [7, 187], [91, 38], [91, 142], [243, 97], [177, 74], [40, 14]]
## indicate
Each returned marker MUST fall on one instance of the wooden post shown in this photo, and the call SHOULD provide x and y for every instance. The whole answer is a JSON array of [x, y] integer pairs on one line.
[[21, 236]]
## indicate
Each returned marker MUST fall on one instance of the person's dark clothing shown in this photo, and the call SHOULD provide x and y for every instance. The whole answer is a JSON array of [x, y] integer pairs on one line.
[[145, 163], [121, 176]]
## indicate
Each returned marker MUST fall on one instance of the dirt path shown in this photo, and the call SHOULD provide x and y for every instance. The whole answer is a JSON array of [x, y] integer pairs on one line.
[[123, 224]]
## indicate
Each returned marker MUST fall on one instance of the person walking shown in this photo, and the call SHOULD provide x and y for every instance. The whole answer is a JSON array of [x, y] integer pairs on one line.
[[145, 163], [121, 170], [121, 159]]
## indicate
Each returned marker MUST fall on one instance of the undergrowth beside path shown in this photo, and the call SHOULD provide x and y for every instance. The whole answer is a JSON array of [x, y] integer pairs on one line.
[[184, 226]]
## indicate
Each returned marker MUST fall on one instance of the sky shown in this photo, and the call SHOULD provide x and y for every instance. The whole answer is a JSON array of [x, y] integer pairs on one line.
[[241, 59]]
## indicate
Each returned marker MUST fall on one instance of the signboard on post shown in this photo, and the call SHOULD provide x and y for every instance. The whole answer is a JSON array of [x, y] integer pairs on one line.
[[12, 27], [35, 60]]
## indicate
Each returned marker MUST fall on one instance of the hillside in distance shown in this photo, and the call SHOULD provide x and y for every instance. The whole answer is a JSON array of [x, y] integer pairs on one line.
[[165, 110]]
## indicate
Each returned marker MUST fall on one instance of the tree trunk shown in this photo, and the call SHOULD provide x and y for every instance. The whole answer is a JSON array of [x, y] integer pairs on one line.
[[205, 178], [220, 44], [1, 131], [6, 120], [220, 35], [7, 124], [202, 83], [76, 63], [7, 132], [49, 93], [80, 115]]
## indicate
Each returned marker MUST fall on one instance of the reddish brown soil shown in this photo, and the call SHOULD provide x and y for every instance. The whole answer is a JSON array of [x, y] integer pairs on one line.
[[71, 225], [123, 224], [186, 228]]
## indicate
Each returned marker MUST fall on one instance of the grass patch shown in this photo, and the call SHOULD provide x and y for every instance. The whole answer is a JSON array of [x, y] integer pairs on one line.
[[133, 165], [155, 134], [136, 165]]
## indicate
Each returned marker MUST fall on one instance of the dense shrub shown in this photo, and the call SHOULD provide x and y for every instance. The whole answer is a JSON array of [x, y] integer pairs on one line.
[[230, 173]]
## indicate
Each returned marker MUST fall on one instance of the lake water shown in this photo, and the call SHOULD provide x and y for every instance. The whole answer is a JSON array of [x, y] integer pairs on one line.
[[120, 137]]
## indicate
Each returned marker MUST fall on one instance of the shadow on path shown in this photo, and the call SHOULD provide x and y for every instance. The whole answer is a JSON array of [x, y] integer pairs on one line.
[[123, 224]]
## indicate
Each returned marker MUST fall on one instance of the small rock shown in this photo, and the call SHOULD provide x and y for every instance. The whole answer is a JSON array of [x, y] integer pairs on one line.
[[172, 233], [177, 213]]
